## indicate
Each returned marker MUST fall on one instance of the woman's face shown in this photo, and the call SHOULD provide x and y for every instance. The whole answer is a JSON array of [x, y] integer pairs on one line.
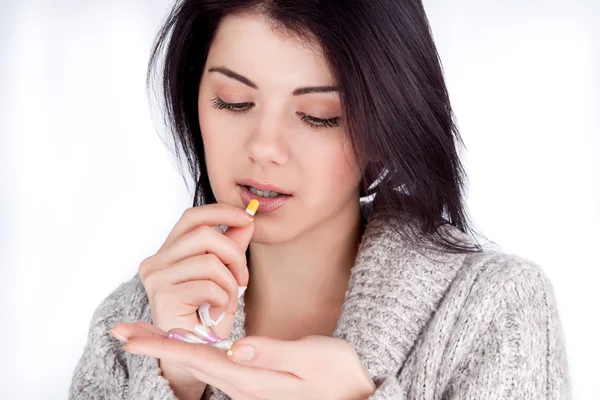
[[269, 118]]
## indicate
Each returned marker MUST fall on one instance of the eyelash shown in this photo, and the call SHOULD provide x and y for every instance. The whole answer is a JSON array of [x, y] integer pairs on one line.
[[313, 122]]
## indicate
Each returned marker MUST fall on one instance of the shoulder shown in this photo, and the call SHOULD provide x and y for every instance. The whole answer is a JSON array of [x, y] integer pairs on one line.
[[507, 323], [508, 293], [502, 274], [484, 275]]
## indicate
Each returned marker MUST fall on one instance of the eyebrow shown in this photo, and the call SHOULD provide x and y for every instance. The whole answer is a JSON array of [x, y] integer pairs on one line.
[[297, 92]]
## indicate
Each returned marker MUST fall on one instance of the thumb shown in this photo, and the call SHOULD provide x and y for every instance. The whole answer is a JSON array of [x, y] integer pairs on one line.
[[241, 234]]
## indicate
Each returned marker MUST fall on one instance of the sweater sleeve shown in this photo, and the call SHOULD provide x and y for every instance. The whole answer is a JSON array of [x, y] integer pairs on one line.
[[105, 370], [519, 354]]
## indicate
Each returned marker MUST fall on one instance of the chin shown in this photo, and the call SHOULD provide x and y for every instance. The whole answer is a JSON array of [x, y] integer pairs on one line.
[[269, 232]]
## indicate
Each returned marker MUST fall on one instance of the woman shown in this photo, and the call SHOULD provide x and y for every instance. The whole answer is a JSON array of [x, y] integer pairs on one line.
[[363, 280]]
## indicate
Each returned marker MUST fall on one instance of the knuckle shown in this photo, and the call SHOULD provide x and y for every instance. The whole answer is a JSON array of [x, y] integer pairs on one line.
[[242, 260], [203, 231], [188, 213], [144, 267], [212, 262], [210, 288], [215, 292]]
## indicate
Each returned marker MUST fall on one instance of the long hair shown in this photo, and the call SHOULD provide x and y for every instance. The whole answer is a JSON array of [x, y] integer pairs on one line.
[[395, 105]]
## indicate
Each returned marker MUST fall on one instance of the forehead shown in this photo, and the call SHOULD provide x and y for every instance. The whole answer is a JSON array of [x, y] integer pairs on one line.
[[250, 45]]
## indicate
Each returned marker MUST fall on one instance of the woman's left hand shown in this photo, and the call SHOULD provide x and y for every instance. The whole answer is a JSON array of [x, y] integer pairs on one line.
[[314, 367]]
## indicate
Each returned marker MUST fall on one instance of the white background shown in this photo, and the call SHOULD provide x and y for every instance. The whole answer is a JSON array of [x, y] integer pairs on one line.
[[88, 189]]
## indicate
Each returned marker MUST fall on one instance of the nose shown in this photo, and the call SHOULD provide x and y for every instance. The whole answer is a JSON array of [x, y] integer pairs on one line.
[[267, 143]]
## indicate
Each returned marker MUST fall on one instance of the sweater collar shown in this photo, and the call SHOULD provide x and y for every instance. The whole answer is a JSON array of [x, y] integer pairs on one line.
[[395, 287]]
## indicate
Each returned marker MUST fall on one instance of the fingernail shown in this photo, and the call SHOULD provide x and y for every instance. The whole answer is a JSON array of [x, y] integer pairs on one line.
[[117, 335], [186, 337], [223, 344], [241, 353], [206, 334]]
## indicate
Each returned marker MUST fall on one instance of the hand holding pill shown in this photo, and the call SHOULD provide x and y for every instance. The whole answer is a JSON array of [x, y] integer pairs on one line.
[[198, 265]]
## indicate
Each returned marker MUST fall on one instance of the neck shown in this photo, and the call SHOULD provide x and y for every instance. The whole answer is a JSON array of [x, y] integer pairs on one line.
[[309, 273]]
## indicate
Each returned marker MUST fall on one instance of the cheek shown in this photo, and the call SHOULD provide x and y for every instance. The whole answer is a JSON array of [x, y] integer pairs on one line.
[[212, 127], [333, 172], [210, 138], [345, 172], [222, 132]]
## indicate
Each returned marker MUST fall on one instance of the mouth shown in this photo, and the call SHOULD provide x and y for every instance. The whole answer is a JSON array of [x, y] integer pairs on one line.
[[263, 189], [269, 196], [264, 193]]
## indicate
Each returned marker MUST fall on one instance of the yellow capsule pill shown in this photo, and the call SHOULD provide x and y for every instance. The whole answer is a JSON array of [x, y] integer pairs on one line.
[[252, 207]]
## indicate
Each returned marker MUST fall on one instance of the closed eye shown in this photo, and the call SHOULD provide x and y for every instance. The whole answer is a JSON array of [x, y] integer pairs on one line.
[[319, 122], [313, 122], [237, 107]]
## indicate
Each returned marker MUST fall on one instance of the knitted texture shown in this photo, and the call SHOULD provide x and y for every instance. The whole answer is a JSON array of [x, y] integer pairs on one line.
[[425, 323]]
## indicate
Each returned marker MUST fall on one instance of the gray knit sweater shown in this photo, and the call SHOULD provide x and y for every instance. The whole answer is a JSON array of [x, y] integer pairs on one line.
[[426, 324]]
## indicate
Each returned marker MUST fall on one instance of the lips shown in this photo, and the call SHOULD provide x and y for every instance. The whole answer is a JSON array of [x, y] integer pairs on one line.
[[267, 204], [264, 186]]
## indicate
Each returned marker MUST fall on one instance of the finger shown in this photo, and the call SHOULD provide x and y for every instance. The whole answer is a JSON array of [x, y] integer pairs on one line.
[[191, 355], [214, 368], [189, 296], [199, 268], [127, 330], [178, 352], [200, 241], [272, 354], [199, 359], [209, 215], [241, 235], [222, 330]]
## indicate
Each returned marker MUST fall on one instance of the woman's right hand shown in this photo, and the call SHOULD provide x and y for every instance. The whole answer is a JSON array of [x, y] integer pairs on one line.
[[195, 265]]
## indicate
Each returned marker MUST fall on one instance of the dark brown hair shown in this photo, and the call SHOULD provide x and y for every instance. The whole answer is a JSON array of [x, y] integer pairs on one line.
[[396, 109]]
